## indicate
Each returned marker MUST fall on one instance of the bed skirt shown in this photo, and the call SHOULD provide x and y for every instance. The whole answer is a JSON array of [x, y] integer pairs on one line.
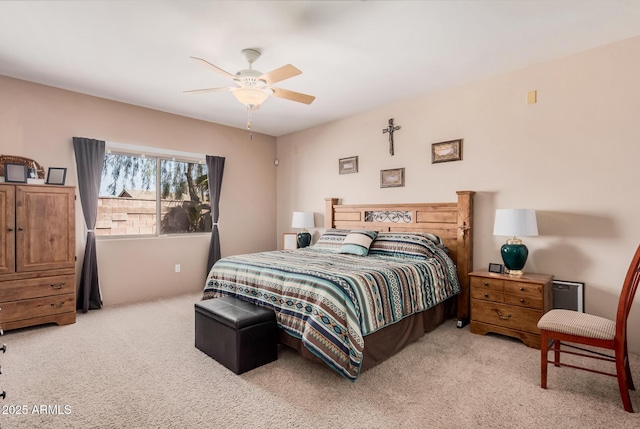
[[388, 341]]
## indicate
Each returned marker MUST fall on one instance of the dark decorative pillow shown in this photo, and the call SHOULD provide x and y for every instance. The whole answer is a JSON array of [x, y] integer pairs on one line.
[[358, 242], [331, 240], [405, 245]]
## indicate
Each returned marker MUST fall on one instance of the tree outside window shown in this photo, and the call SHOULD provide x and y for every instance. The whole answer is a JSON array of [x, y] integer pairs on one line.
[[131, 200]]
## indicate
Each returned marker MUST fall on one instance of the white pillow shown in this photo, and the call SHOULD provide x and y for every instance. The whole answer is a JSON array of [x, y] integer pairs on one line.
[[358, 242]]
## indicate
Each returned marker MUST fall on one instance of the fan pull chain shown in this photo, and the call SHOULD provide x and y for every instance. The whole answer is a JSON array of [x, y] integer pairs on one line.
[[249, 123]]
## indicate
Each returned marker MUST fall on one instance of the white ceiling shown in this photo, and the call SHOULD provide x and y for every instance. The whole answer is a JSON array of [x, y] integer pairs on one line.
[[354, 55]]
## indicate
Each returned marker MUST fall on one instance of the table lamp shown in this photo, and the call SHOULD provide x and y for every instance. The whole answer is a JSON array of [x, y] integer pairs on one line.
[[513, 223], [303, 220]]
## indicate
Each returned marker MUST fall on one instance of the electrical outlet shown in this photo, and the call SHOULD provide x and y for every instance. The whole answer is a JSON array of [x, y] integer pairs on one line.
[[177, 268]]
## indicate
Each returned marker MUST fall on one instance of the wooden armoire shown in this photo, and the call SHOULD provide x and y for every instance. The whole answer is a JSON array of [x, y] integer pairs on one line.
[[37, 255]]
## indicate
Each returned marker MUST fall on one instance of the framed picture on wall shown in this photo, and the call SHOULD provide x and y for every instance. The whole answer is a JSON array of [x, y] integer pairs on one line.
[[446, 151], [392, 178], [348, 165], [289, 241]]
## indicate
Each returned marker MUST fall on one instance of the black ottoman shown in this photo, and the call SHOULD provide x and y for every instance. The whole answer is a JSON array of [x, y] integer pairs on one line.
[[240, 335]]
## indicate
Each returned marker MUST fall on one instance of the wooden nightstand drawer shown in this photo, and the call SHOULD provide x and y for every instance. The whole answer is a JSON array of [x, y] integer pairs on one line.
[[487, 294], [508, 316], [526, 289], [534, 302], [485, 283]]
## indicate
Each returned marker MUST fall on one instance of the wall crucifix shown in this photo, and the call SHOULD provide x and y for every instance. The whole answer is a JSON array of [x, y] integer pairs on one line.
[[390, 129]]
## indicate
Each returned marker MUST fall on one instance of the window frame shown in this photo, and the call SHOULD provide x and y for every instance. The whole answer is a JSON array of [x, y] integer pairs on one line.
[[158, 154]]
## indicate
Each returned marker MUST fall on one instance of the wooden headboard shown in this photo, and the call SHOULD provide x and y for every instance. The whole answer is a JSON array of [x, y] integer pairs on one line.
[[453, 222]]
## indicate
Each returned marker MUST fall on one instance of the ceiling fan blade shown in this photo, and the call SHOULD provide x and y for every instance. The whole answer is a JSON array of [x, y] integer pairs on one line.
[[293, 96], [279, 74], [200, 91], [216, 68]]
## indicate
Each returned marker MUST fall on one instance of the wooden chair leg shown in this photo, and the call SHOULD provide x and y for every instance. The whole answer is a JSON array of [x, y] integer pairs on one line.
[[621, 372], [556, 351], [627, 369], [629, 378], [543, 359]]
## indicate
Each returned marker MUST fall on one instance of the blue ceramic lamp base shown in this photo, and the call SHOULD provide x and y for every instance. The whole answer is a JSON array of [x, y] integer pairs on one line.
[[304, 239], [514, 256]]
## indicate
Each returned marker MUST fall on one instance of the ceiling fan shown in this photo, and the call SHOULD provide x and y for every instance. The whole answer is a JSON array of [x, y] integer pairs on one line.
[[254, 87]]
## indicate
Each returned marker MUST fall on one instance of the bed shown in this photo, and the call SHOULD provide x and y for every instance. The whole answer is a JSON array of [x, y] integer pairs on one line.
[[377, 279]]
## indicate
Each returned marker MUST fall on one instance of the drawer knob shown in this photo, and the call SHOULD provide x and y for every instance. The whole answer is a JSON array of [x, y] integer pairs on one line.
[[502, 316], [9, 229], [20, 228], [486, 295], [3, 348], [3, 394], [522, 289], [57, 306], [486, 283], [521, 300], [53, 285]]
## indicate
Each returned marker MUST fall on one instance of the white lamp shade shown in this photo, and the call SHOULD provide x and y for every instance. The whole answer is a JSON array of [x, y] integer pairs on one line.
[[302, 220], [515, 222]]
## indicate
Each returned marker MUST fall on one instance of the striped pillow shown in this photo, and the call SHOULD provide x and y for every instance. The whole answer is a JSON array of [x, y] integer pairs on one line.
[[405, 245], [331, 240], [436, 239], [358, 242]]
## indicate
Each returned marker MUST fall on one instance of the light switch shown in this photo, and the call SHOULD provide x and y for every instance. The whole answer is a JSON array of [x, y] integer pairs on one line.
[[532, 97]]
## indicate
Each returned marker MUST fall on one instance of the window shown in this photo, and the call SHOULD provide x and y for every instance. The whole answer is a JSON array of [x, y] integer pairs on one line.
[[136, 190]]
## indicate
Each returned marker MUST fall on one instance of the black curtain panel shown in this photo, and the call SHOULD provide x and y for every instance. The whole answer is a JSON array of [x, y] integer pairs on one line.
[[89, 160], [215, 170]]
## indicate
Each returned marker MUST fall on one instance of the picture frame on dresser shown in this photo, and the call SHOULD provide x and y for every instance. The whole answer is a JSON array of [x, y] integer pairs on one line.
[[56, 176], [15, 173], [496, 268], [289, 241]]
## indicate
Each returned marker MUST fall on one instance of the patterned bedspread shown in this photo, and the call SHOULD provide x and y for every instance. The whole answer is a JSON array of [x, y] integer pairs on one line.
[[331, 301]]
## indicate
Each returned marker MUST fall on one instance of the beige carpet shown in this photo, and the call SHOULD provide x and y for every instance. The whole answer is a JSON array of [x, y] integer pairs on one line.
[[136, 367]]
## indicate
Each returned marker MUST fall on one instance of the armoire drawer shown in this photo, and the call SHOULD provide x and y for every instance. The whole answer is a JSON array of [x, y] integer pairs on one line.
[[37, 307], [35, 288]]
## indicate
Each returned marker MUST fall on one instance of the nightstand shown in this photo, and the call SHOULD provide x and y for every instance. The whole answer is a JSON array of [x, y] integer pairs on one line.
[[510, 305]]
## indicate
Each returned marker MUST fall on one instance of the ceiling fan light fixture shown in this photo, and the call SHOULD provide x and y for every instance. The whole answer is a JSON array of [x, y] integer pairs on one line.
[[251, 96], [254, 87]]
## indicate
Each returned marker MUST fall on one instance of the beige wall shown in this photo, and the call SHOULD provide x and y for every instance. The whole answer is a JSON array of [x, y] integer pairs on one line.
[[39, 122], [573, 157]]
